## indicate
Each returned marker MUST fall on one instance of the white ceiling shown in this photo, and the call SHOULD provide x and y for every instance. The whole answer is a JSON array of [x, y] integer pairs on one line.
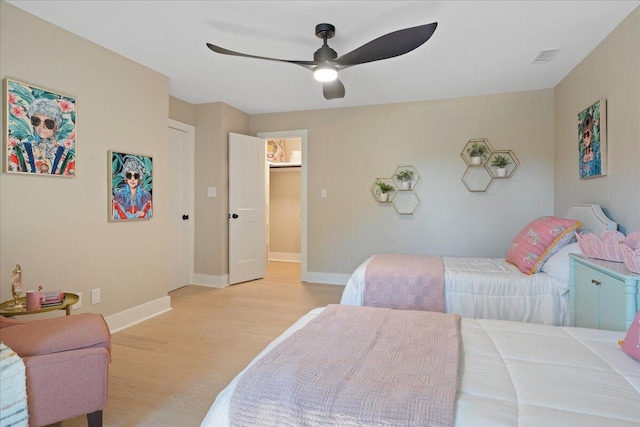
[[479, 47]]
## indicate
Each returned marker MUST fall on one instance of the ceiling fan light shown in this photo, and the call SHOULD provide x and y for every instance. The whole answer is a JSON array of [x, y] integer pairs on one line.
[[325, 74]]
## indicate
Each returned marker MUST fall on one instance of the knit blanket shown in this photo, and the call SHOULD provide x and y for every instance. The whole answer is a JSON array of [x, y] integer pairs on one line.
[[405, 282], [356, 366], [13, 389]]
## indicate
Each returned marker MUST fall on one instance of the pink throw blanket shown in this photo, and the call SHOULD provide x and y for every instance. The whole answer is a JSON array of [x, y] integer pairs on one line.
[[405, 282], [355, 366]]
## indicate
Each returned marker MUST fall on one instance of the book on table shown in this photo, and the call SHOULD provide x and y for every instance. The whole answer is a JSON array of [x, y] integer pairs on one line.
[[50, 298]]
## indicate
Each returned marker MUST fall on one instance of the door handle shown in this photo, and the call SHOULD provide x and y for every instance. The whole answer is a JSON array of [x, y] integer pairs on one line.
[[595, 282], [234, 216], [185, 217]]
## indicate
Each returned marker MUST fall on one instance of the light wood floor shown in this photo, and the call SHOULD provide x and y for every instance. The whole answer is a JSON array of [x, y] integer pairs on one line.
[[167, 370]]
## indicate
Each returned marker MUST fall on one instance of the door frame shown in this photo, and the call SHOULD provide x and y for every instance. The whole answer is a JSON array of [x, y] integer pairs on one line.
[[302, 134], [191, 142]]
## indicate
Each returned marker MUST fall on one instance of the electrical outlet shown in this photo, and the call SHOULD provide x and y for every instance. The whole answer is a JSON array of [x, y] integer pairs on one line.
[[79, 303], [95, 296]]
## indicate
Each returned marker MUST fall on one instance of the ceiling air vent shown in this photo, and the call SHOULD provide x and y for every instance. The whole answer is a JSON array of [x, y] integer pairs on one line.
[[545, 56]]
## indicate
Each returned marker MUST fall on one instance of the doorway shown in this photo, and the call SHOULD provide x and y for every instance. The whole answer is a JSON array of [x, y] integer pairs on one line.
[[288, 173]]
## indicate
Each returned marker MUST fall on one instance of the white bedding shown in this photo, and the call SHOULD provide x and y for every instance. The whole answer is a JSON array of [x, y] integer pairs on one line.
[[525, 375], [489, 288]]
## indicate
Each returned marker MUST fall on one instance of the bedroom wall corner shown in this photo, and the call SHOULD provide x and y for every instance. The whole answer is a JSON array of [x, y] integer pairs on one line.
[[612, 72], [57, 228]]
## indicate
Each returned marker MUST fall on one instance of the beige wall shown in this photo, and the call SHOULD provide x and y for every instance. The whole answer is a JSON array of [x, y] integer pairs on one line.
[[213, 123], [57, 228], [182, 111], [285, 210], [611, 72], [349, 147]]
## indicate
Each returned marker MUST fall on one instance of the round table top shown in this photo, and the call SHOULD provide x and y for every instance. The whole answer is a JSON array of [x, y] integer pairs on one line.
[[6, 308]]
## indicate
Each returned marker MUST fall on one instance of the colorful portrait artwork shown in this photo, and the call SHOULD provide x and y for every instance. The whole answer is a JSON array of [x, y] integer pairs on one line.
[[40, 134], [130, 186], [592, 141]]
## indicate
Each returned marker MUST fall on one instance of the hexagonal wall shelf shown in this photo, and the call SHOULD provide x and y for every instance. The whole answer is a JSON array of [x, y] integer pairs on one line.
[[406, 178], [476, 179], [403, 197], [481, 173], [377, 192], [510, 167], [406, 202], [473, 144]]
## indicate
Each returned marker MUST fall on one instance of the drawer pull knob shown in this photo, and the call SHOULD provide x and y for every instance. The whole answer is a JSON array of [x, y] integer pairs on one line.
[[595, 282]]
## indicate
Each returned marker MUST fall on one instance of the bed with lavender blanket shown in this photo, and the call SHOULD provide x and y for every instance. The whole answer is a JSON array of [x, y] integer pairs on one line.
[[510, 374], [482, 288]]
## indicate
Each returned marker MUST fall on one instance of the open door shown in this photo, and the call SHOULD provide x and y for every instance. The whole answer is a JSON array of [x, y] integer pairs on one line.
[[247, 213]]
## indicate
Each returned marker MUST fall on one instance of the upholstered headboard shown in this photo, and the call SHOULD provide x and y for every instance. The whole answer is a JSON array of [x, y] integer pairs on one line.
[[593, 218]]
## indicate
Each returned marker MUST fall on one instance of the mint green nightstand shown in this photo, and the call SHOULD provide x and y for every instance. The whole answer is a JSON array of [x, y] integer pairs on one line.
[[602, 294]]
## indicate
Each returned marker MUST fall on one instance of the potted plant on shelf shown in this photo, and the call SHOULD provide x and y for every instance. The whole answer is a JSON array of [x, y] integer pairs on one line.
[[405, 177], [384, 190], [500, 162], [477, 152]]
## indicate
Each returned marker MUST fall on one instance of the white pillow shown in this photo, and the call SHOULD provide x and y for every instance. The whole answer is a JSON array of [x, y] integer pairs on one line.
[[557, 266]]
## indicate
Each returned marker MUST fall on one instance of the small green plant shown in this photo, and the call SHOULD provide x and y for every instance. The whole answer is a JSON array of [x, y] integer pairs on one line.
[[477, 150], [405, 175], [500, 161], [384, 187]]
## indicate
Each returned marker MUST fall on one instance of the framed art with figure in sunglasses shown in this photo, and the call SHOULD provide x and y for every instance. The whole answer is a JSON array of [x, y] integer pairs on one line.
[[592, 140], [40, 131], [130, 187]]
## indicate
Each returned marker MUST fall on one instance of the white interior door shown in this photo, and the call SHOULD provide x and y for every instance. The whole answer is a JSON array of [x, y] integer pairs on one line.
[[181, 142], [247, 213]]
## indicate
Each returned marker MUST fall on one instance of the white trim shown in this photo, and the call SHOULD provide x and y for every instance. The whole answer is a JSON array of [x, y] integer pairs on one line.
[[140, 313], [191, 142], [211, 281], [327, 278], [302, 134], [284, 257]]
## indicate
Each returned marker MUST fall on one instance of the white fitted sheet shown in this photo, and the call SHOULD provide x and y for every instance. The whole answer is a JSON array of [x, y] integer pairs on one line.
[[489, 288], [525, 375]]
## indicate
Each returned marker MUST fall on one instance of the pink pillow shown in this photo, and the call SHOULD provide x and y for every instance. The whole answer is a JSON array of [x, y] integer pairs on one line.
[[631, 343], [540, 239]]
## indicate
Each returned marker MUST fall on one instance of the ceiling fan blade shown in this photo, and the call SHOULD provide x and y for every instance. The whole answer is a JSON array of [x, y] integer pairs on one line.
[[388, 46], [333, 90], [306, 64]]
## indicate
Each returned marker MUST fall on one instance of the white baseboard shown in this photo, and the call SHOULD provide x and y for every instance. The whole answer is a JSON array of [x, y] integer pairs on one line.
[[210, 281], [327, 278], [283, 256], [140, 313]]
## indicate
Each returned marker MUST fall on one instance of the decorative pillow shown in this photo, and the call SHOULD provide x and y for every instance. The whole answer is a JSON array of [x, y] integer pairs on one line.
[[631, 343], [557, 266], [540, 239]]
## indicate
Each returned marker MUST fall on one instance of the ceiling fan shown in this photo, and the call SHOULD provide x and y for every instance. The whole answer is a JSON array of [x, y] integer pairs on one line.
[[326, 63]]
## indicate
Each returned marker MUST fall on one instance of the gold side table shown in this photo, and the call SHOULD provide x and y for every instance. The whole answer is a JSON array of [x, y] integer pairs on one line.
[[67, 302]]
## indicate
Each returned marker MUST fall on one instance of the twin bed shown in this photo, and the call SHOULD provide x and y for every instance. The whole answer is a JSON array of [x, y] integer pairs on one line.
[[352, 365], [510, 374], [491, 288]]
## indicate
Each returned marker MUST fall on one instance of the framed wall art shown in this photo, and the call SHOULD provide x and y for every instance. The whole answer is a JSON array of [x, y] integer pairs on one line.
[[276, 152], [592, 141], [130, 186], [40, 131]]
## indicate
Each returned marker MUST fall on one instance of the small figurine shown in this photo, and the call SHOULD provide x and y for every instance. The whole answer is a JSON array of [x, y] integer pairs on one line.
[[16, 285]]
